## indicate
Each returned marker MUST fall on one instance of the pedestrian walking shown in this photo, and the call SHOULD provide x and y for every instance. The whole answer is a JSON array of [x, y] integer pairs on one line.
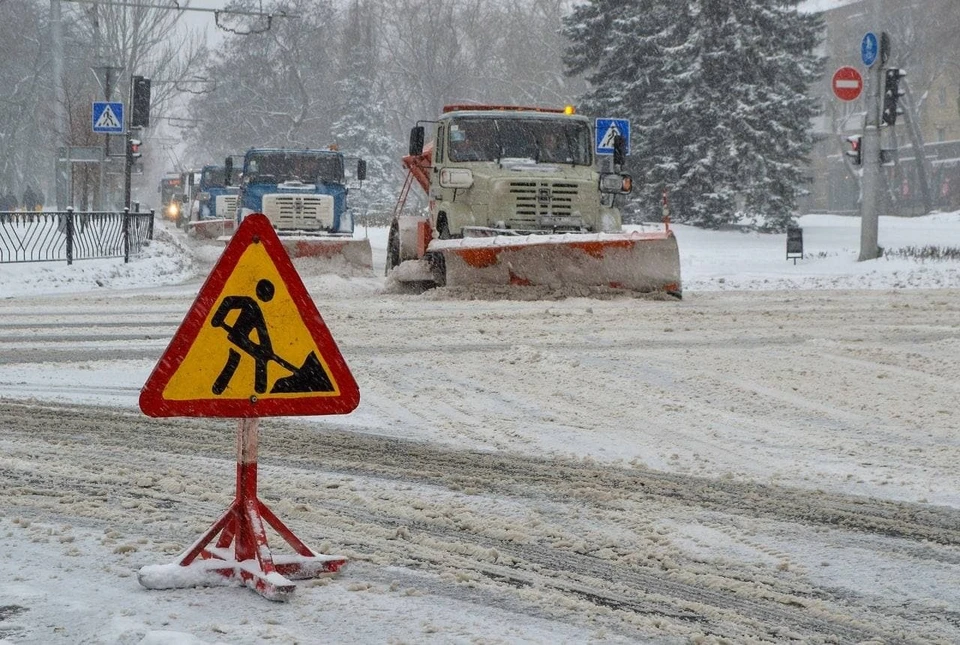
[[28, 199]]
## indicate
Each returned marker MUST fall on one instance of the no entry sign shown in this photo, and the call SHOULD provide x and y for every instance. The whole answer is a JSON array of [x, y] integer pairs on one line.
[[847, 83]]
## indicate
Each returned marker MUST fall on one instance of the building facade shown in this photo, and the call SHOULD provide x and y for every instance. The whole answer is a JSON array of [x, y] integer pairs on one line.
[[924, 40]]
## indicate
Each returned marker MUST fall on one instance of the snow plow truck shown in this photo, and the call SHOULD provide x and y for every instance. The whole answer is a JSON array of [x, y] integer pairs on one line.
[[304, 195], [516, 197]]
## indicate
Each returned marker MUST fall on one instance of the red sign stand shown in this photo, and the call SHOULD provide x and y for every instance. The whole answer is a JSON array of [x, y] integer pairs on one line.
[[240, 553]]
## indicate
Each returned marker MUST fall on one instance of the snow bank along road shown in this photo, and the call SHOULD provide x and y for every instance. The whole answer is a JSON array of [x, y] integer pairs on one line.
[[752, 466]]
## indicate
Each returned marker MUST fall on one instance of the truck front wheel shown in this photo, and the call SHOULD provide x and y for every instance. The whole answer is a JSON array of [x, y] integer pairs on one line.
[[393, 248], [443, 227]]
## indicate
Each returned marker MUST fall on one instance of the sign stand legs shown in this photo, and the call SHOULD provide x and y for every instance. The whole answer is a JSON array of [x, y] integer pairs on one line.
[[240, 552]]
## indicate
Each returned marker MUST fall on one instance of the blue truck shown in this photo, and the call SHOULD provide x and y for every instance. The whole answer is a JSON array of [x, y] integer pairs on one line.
[[213, 213], [300, 191], [304, 195]]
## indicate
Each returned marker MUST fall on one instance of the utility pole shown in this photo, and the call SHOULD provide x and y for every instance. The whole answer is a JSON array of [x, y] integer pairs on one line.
[[61, 176], [105, 75], [869, 247]]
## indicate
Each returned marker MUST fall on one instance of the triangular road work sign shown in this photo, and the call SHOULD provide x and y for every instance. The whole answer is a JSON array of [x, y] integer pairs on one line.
[[253, 344]]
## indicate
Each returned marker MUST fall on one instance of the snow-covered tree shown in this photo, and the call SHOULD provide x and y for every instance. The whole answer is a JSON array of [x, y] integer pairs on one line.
[[272, 88], [716, 91], [23, 58], [361, 129]]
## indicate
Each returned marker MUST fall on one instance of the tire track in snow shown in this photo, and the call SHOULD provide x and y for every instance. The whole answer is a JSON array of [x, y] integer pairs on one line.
[[307, 475]]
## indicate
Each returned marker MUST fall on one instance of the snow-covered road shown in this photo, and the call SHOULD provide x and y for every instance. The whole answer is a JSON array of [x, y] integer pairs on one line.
[[748, 465]]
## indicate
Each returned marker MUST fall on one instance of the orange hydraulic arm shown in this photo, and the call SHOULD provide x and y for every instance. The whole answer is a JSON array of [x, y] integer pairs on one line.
[[418, 167]]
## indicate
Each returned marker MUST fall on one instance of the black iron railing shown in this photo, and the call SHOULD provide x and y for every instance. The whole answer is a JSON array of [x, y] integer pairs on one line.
[[68, 235]]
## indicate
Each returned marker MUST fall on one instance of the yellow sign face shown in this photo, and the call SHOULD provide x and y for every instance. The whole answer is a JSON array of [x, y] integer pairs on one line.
[[253, 344], [206, 369]]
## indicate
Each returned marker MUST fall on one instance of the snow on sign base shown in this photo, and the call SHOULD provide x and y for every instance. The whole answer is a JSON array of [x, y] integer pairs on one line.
[[847, 83], [253, 343]]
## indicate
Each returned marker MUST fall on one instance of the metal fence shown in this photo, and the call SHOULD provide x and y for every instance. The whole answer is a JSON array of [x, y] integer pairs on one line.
[[68, 235]]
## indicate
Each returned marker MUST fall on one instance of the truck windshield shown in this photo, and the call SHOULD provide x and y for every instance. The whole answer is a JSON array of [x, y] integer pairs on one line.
[[278, 167], [542, 140], [215, 177]]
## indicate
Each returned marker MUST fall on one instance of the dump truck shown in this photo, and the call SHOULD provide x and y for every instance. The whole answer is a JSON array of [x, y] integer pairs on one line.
[[214, 213], [304, 195], [517, 197]]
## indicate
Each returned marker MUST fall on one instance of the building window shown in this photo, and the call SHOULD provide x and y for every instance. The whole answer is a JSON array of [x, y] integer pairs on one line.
[[941, 134], [942, 96]]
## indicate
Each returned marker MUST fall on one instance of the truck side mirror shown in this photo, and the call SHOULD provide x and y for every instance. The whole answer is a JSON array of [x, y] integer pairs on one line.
[[619, 150], [361, 170], [416, 141], [227, 170]]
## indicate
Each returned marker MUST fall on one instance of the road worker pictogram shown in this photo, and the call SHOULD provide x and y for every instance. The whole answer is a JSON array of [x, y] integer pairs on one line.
[[253, 344], [309, 377]]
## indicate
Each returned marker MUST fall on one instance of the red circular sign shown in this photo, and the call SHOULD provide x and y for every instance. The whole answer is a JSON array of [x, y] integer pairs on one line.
[[847, 83]]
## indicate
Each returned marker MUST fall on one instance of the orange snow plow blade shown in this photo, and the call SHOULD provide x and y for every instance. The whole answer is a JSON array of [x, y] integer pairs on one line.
[[337, 252], [345, 256], [212, 229], [642, 262]]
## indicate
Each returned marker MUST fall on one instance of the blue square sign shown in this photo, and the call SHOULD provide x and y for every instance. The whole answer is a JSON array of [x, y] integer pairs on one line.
[[609, 128], [108, 117]]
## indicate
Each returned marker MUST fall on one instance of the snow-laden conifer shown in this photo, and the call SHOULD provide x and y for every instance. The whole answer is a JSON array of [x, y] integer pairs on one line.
[[717, 92]]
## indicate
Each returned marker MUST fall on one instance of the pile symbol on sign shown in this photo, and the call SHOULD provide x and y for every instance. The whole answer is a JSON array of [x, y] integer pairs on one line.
[[253, 344]]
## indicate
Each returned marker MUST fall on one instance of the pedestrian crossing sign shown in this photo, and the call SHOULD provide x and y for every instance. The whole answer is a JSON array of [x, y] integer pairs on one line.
[[606, 130], [253, 343], [108, 117]]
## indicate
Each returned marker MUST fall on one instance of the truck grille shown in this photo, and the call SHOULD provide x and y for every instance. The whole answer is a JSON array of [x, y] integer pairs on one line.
[[226, 206], [299, 212], [533, 200]]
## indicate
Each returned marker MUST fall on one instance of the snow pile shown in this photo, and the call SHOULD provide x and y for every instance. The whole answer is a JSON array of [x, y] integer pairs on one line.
[[162, 262], [710, 260]]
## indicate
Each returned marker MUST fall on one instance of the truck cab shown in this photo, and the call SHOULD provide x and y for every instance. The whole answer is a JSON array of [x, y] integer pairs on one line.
[[171, 191], [300, 191], [513, 170]]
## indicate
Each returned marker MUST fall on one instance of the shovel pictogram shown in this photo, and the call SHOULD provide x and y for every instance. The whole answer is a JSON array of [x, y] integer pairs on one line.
[[310, 376]]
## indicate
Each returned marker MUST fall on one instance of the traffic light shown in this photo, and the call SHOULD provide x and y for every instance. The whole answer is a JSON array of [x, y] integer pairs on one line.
[[891, 95], [140, 115], [133, 149], [856, 149]]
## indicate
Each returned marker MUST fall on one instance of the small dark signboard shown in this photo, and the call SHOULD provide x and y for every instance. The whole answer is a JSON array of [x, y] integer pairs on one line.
[[794, 243]]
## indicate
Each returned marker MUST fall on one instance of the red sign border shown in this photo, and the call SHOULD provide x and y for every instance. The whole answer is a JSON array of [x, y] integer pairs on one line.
[[254, 229], [857, 76]]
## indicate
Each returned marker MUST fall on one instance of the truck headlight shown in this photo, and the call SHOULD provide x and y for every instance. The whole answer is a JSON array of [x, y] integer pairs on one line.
[[456, 178], [617, 184]]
